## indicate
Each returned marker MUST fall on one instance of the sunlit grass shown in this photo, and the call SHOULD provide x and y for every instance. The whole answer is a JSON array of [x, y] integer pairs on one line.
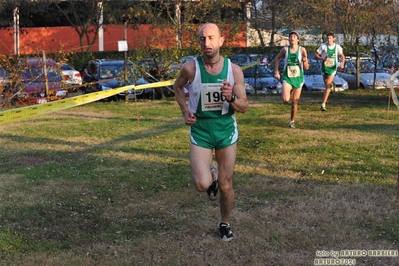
[[109, 184]]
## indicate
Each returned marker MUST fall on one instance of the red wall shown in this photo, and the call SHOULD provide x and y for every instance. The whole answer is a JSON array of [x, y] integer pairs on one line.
[[54, 39]]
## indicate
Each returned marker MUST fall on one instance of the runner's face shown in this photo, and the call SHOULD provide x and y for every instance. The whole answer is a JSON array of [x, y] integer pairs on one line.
[[294, 38], [330, 40], [210, 40]]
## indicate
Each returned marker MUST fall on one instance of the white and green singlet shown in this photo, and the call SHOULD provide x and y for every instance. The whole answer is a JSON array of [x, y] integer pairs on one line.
[[216, 125]]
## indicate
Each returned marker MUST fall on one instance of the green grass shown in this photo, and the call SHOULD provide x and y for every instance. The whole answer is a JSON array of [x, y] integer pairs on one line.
[[109, 184]]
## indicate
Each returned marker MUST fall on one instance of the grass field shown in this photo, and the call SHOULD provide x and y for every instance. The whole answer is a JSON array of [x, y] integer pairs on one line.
[[109, 184]]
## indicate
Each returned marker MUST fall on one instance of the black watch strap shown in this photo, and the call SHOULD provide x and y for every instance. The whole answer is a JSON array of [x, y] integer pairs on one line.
[[233, 98]]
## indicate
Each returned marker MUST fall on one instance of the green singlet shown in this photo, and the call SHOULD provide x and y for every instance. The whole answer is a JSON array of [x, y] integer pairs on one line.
[[329, 66], [293, 70], [216, 125]]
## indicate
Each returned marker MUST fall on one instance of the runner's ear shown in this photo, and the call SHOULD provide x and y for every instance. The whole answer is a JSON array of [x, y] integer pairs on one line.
[[221, 40]]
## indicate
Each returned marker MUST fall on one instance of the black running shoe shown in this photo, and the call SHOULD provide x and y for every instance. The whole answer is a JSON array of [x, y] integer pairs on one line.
[[213, 189], [225, 232]]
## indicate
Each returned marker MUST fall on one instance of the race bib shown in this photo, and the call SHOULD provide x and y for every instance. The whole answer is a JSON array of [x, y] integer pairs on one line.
[[211, 97], [329, 62], [293, 71]]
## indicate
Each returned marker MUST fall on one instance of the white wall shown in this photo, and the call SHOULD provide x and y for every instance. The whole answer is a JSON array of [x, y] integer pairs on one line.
[[312, 39]]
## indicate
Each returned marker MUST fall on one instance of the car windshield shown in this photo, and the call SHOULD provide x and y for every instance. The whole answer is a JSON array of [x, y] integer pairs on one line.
[[239, 59], [368, 67], [259, 71], [66, 67], [36, 74], [114, 71]]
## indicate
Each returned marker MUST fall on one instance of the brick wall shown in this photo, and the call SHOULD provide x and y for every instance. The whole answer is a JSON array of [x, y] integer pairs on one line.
[[53, 39]]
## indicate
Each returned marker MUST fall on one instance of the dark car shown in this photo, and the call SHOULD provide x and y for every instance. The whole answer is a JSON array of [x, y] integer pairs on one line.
[[246, 59], [107, 74], [261, 78], [5, 92], [34, 81]]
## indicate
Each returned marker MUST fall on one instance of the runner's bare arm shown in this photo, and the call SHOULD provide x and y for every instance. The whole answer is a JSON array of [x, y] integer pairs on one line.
[[305, 58], [241, 103], [186, 74], [277, 63]]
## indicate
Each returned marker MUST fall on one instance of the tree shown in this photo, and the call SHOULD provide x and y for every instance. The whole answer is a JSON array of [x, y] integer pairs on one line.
[[183, 17], [255, 19], [179, 15], [361, 18], [273, 9], [379, 16], [85, 16], [394, 22]]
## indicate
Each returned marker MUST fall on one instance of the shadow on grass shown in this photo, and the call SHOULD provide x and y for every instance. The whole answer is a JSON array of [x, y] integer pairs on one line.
[[290, 218], [353, 98], [115, 204]]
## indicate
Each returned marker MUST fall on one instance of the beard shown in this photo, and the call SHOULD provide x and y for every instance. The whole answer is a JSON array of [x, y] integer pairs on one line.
[[211, 54]]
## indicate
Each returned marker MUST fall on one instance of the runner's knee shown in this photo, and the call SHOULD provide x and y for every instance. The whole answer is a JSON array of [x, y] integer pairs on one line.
[[201, 186]]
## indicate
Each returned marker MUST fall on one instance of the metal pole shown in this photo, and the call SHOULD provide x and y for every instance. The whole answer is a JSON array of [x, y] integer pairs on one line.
[[45, 75], [126, 77], [101, 29], [16, 31]]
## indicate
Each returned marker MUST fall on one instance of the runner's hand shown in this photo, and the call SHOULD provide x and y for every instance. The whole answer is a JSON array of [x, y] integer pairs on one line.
[[189, 118], [227, 90]]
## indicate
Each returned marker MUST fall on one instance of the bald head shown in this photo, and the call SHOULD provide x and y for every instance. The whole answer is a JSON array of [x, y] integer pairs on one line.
[[210, 27], [210, 39]]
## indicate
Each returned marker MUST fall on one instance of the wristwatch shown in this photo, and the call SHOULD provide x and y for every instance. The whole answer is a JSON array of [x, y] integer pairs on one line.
[[233, 98]]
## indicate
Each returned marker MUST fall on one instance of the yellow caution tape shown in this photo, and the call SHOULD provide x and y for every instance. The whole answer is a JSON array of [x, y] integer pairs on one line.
[[250, 65], [50, 107]]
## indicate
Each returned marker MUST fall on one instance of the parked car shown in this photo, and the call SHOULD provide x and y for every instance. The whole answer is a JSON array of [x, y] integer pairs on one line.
[[352, 56], [155, 69], [314, 80], [107, 74], [72, 76], [176, 66], [31, 84], [4, 76], [246, 59], [389, 60], [4, 85], [186, 58], [367, 68], [249, 89], [261, 78], [240, 59]]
